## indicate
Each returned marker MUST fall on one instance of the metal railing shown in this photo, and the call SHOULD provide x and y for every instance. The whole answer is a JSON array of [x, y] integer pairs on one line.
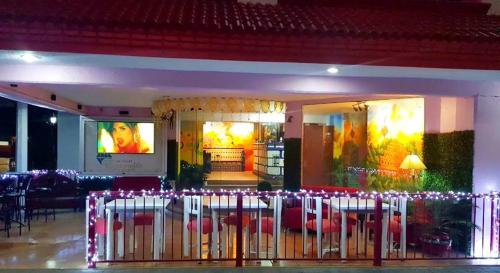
[[244, 227]]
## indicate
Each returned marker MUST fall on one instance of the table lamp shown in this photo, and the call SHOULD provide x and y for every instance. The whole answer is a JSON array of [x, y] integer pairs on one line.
[[413, 163]]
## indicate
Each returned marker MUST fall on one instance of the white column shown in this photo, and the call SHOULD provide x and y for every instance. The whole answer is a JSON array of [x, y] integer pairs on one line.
[[486, 175], [486, 145], [69, 141], [22, 137]]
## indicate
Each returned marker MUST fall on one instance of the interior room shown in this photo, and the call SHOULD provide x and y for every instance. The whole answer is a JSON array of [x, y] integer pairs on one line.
[[234, 149]]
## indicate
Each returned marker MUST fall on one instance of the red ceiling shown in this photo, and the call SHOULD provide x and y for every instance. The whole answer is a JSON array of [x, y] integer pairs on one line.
[[423, 33]]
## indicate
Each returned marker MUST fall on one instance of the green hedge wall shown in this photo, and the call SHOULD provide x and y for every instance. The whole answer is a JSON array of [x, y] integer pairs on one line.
[[449, 159], [292, 170]]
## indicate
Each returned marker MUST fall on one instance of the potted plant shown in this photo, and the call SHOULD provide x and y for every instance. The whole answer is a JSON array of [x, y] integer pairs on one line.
[[451, 226], [191, 176], [436, 244]]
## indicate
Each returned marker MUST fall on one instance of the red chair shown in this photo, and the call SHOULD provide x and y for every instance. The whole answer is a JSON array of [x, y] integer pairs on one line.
[[138, 183], [232, 221], [267, 225], [101, 228], [193, 206], [328, 226]]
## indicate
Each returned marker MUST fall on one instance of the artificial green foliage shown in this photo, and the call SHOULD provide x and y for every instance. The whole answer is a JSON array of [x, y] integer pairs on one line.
[[449, 159], [191, 176], [436, 181], [292, 170], [95, 183], [451, 218], [378, 182]]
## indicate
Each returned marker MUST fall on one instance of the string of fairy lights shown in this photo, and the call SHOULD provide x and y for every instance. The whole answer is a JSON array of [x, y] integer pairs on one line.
[[94, 197], [77, 176]]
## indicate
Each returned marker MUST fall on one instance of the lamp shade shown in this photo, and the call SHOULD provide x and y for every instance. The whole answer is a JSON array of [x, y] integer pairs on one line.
[[412, 162]]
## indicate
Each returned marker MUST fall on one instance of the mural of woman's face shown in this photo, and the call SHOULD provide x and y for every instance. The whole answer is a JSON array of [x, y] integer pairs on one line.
[[122, 134]]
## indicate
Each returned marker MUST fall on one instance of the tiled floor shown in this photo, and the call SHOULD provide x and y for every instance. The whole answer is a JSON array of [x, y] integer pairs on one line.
[[233, 176], [55, 244]]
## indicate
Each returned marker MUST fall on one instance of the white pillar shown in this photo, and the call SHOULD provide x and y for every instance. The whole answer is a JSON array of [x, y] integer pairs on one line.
[[22, 137], [69, 141], [486, 175]]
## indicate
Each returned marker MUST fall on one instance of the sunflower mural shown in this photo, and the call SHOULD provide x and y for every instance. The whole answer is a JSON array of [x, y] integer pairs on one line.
[[395, 129], [377, 140]]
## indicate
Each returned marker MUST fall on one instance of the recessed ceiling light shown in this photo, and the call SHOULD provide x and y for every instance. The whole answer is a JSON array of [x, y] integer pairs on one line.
[[29, 57], [333, 70]]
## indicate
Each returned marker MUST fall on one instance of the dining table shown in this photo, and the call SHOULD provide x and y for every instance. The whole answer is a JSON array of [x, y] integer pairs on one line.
[[123, 206], [223, 205], [347, 206]]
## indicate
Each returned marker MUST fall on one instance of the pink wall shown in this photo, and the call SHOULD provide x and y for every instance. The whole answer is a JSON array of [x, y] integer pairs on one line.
[[432, 112], [486, 145], [448, 114]]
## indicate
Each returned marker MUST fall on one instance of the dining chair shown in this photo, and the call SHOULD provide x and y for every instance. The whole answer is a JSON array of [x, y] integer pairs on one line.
[[230, 222], [396, 225], [269, 226], [193, 206], [101, 226], [142, 221], [313, 206]]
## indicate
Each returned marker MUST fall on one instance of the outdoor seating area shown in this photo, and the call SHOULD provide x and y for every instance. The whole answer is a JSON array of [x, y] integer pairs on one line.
[[248, 226], [249, 133], [317, 224]]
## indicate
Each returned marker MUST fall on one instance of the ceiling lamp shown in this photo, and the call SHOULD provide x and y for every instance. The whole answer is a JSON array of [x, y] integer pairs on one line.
[[53, 119], [333, 70], [29, 57]]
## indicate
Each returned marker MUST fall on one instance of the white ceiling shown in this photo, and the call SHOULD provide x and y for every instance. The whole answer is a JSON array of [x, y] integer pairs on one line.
[[107, 80], [144, 97], [9, 57]]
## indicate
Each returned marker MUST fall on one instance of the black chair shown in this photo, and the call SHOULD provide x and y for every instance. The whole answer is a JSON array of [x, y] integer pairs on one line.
[[12, 203]]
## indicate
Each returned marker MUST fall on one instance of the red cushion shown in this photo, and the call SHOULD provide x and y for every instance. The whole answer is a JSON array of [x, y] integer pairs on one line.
[[232, 219], [206, 225], [329, 189], [328, 226], [351, 218], [143, 219], [100, 226], [292, 218], [136, 183], [266, 226], [394, 227]]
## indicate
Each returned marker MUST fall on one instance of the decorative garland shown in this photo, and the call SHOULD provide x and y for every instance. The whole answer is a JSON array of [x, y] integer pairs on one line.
[[165, 109]]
